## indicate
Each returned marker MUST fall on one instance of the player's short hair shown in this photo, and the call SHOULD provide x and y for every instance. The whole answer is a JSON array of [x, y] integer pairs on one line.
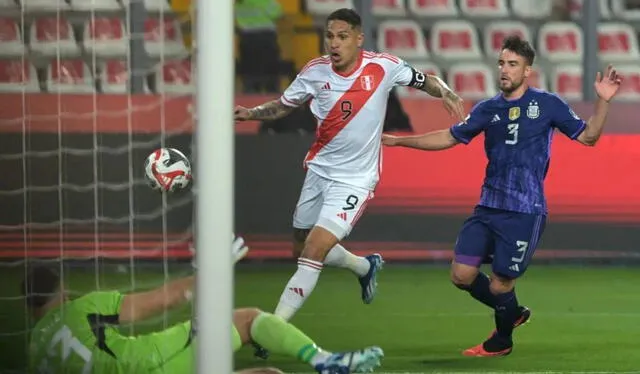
[[349, 16], [39, 285], [520, 46]]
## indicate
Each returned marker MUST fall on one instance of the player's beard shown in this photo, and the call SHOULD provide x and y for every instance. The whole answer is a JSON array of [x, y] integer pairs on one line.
[[511, 86]]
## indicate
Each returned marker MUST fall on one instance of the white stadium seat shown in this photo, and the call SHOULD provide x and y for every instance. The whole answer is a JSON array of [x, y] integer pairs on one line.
[[325, 7], [69, 76], [472, 81], [11, 44], [49, 6], [388, 8], [175, 77], [620, 10], [455, 40], [484, 8], [617, 42], [402, 38], [163, 37], [158, 6], [495, 32], [18, 76], [532, 9], [105, 37], [560, 41], [425, 67], [52, 37], [433, 8], [96, 5], [566, 81]]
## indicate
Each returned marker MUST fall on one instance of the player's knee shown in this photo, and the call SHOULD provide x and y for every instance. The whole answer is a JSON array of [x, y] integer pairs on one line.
[[243, 319], [463, 276]]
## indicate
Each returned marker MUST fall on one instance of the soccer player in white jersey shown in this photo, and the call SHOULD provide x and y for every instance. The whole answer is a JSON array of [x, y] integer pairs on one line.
[[348, 91]]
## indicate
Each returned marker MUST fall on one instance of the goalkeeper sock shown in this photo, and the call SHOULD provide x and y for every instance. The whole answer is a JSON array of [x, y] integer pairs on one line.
[[340, 257], [299, 288], [276, 335]]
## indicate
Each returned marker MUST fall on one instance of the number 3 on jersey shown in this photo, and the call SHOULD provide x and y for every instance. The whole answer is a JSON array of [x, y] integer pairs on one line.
[[512, 136]]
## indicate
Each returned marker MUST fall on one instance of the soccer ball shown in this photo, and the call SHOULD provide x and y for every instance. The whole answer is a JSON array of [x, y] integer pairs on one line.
[[167, 170]]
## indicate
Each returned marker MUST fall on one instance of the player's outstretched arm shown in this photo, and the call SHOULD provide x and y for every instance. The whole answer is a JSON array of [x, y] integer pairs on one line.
[[268, 111], [142, 305], [606, 87], [453, 103], [431, 141]]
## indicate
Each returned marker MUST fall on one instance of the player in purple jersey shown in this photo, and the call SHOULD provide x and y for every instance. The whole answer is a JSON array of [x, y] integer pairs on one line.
[[507, 224]]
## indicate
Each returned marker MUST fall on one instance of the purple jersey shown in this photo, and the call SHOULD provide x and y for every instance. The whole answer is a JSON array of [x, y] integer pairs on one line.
[[517, 142]]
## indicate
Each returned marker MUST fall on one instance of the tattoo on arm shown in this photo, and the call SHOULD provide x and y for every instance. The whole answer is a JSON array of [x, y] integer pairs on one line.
[[433, 86], [269, 111]]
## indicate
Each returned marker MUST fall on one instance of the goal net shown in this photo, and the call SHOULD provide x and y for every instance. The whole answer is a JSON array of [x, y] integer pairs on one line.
[[88, 89]]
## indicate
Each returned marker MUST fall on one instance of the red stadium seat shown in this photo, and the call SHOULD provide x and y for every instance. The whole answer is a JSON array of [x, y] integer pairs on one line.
[[114, 76], [617, 42], [388, 8], [433, 8], [163, 37], [455, 40], [484, 8], [18, 76], [11, 44], [53, 37], [528, 9], [495, 32], [105, 37], [325, 7], [69, 76], [175, 77], [402, 38], [427, 68], [472, 80], [560, 41], [566, 81]]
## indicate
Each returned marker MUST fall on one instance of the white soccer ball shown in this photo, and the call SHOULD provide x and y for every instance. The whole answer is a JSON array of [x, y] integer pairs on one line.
[[167, 170]]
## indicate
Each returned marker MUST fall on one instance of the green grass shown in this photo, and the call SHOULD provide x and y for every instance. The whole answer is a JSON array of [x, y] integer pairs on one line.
[[584, 318]]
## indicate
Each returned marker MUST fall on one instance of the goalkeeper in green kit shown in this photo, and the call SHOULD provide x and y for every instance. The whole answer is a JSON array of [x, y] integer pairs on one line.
[[81, 337]]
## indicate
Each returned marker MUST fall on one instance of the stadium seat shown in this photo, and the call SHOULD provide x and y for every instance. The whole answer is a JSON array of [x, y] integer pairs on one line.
[[114, 76], [455, 40], [403, 38], [528, 9], [105, 37], [158, 6], [11, 44], [620, 10], [575, 9], [484, 8], [388, 8], [175, 78], [69, 76], [325, 7], [538, 79], [433, 8], [96, 5], [18, 76], [560, 41], [425, 67], [630, 90], [163, 37], [566, 81], [53, 36], [495, 32], [472, 81], [44, 5], [617, 42]]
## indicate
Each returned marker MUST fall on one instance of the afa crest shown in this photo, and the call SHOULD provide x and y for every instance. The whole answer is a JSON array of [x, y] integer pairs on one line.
[[533, 110], [514, 113]]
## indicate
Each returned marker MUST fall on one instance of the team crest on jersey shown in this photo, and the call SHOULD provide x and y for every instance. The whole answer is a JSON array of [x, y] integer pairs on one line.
[[514, 113], [366, 82], [533, 110]]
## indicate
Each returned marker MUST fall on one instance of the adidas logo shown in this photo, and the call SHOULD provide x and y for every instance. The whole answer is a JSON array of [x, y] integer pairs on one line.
[[297, 290], [495, 119], [515, 268], [343, 215], [326, 86]]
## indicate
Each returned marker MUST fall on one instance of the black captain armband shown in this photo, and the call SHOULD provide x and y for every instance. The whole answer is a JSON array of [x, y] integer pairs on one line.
[[418, 79]]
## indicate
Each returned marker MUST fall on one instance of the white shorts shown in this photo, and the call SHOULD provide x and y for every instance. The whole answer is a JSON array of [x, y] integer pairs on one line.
[[334, 206]]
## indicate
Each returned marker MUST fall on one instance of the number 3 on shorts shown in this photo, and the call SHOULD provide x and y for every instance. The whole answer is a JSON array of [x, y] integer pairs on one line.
[[351, 203]]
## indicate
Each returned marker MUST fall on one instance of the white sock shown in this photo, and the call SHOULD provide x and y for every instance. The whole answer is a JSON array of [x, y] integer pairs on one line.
[[299, 288], [338, 256]]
